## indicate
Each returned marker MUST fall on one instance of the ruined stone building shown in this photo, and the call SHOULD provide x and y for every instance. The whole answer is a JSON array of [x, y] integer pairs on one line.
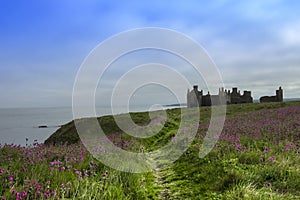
[[195, 98], [277, 98]]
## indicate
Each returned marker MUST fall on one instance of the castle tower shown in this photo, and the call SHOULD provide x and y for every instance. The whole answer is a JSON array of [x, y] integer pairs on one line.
[[188, 102], [195, 88], [247, 98], [235, 96], [279, 94], [194, 97], [234, 91]]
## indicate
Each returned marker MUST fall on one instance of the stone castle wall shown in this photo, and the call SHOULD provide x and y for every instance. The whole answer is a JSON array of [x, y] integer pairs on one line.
[[195, 98], [277, 98]]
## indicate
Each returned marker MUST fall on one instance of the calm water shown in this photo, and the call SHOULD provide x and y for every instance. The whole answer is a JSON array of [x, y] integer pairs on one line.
[[17, 124]]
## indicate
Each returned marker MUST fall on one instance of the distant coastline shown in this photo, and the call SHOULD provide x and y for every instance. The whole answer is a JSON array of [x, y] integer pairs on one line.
[[291, 99], [175, 105]]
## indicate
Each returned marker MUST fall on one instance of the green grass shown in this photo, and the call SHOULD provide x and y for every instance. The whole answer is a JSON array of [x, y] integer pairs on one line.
[[259, 161]]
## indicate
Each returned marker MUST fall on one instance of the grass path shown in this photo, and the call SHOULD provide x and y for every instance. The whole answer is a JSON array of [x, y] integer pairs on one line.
[[159, 180]]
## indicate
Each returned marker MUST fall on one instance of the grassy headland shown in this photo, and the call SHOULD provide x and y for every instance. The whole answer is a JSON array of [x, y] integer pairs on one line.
[[256, 157]]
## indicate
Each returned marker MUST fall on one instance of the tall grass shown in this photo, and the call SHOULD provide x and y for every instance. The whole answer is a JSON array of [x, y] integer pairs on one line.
[[63, 172]]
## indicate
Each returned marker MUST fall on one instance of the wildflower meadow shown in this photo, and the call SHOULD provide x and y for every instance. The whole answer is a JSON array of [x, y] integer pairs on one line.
[[256, 157]]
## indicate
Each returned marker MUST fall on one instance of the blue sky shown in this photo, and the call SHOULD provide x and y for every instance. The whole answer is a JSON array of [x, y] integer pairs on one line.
[[255, 44]]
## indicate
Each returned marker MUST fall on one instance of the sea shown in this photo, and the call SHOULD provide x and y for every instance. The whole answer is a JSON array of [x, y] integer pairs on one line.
[[22, 126]]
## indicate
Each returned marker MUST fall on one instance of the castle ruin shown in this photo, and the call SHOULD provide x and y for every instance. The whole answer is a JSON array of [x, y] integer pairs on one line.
[[195, 98], [277, 98]]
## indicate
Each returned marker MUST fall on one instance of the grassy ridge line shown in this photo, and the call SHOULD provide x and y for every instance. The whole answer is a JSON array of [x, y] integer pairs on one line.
[[68, 133]]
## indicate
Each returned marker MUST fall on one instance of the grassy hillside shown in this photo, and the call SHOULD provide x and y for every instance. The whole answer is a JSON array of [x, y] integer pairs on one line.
[[68, 133], [256, 157]]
